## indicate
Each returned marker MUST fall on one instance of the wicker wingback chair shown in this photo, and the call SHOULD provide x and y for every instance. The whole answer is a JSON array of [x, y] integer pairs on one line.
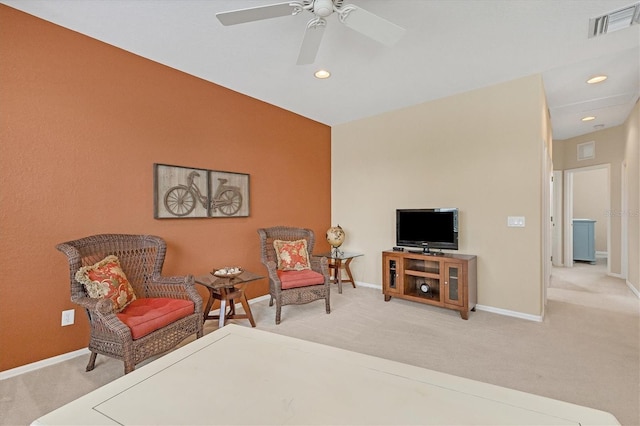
[[141, 258], [303, 292]]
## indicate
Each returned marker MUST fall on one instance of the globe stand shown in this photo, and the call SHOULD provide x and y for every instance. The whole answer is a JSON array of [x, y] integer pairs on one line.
[[336, 252]]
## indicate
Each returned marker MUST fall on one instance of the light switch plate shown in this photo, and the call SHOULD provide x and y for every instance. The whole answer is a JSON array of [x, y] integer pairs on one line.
[[515, 221]]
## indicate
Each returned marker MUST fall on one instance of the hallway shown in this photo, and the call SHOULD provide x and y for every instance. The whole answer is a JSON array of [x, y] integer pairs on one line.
[[589, 285]]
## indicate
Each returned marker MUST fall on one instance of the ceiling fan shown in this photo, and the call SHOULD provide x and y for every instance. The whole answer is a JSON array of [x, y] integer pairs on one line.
[[352, 16]]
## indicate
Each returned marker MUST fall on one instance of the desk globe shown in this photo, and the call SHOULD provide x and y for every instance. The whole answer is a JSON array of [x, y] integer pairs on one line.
[[335, 238]]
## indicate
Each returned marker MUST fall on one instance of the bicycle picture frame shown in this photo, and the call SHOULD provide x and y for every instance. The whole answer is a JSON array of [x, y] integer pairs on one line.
[[167, 178], [234, 192], [185, 192]]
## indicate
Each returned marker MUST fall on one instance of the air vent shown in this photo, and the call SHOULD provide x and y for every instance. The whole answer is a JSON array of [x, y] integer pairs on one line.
[[586, 151], [614, 21]]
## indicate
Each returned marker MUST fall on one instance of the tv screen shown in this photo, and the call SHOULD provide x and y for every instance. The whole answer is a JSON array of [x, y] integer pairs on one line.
[[427, 228]]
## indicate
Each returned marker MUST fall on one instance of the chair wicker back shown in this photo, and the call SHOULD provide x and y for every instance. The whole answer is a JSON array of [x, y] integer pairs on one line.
[[285, 234], [269, 258], [141, 258]]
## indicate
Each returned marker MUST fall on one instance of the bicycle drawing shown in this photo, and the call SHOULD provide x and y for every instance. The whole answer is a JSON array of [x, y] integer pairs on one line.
[[185, 192], [180, 200]]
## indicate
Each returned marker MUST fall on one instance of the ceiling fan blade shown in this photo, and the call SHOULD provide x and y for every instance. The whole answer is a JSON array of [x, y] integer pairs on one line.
[[311, 41], [371, 25], [241, 16]]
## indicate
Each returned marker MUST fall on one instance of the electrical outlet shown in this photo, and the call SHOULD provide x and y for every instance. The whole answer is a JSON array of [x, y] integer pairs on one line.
[[68, 317]]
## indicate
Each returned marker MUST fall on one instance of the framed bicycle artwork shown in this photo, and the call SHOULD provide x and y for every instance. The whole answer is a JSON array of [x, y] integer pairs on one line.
[[229, 194], [182, 192]]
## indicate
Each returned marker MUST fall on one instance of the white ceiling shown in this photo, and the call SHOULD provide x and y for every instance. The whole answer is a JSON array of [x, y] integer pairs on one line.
[[450, 46]]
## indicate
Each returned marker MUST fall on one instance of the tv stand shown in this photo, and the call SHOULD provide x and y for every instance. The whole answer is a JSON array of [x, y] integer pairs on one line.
[[440, 279]]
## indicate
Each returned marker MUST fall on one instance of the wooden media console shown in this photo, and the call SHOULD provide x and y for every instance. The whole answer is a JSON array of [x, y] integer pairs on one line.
[[445, 280]]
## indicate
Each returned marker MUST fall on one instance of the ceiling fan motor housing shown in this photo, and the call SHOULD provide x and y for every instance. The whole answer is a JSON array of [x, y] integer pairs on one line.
[[323, 8]]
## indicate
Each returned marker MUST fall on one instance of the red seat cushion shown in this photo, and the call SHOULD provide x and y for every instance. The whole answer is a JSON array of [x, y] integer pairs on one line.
[[304, 278], [144, 316]]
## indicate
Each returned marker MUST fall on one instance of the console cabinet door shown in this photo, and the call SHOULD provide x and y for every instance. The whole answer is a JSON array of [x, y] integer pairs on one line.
[[453, 285], [391, 274]]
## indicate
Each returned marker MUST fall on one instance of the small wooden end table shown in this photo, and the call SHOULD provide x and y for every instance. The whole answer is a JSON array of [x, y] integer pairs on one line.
[[228, 290], [335, 263]]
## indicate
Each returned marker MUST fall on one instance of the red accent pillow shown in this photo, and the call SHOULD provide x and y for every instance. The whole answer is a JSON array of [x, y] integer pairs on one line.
[[106, 279], [292, 255]]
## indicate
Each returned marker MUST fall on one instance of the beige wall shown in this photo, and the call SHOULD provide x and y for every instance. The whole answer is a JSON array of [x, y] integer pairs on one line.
[[591, 201], [479, 151], [632, 163], [609, 149]]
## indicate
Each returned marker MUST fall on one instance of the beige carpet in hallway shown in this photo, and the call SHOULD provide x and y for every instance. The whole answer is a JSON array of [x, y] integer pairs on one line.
[[587, 350]]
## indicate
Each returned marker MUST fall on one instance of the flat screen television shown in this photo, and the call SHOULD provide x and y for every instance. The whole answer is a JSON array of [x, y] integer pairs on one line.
[[427, 228]]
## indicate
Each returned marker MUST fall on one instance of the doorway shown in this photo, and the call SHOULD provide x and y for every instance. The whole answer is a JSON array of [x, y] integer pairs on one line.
[[587, 196]]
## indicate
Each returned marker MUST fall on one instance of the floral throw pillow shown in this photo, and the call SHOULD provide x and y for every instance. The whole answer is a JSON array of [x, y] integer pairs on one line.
[[106, 279], [292, 255]]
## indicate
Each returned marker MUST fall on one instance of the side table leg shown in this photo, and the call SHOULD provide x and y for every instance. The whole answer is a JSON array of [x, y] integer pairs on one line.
[[207, 309], [247, 309], [339, 274], [346, 268], [223, 312]]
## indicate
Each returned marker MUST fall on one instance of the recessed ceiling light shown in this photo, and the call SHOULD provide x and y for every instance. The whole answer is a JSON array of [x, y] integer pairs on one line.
[[322, 74], [597, 79], [589, 118]]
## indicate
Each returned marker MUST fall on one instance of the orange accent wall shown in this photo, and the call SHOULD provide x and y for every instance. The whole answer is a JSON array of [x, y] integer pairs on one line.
[[81, 124]]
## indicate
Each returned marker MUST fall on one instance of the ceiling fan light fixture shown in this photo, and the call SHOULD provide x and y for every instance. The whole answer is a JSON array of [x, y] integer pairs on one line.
[[597, 79], [323, 8], [588, 118], [322, 74]]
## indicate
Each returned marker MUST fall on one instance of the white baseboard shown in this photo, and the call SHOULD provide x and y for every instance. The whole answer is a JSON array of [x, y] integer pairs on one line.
[[633, 289], [60, 358], [63, 357], [506, 312], [499, 311], [259, 299], [41, 364], [369, 285], [602, 254]]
